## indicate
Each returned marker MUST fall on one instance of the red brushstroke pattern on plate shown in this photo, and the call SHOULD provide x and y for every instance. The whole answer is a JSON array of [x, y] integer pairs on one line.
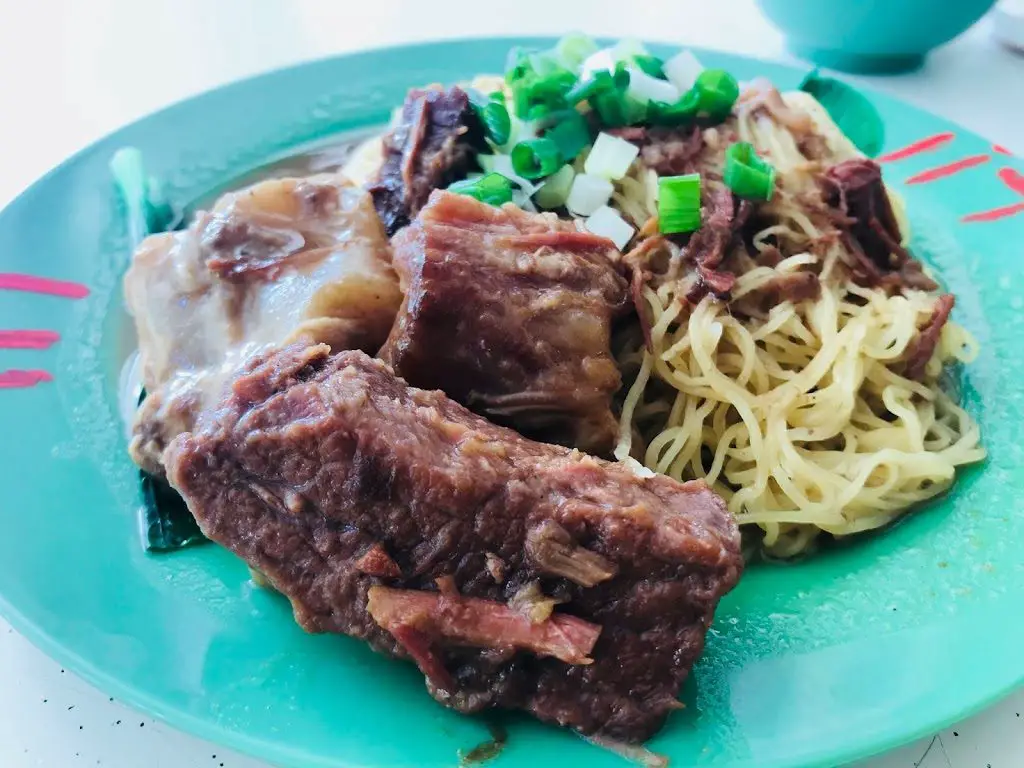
[[28, 339], [13, 281], [994, 214], [15, 379], [947, 169], [1013, 179], [922, 145]]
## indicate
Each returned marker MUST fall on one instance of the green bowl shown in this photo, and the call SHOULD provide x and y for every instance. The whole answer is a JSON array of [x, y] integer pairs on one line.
[[814, 663], [871, 36]]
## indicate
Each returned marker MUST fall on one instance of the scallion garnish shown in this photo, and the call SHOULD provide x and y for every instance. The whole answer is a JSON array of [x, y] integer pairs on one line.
[[602, 81], [680, 113], [536, 158], [497, 123], [573, 49], [650, 65], [571, 133], [610, 157], [717, 91], [679, 203], [746, 174], [491, 188], [555, 189]]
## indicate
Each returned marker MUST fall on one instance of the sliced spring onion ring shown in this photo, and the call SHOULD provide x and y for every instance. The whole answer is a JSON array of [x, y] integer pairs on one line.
[[682, 70], [536, 158], [588, 193], [746, 174], [555, 190], [491, 188], [718, 91], [679, 113], [606, 222], [602, 81], [610, 157], [573, 49], [603, 60], [643, 87], [497, 124], [679, 203], [650, 65], [571, 133]]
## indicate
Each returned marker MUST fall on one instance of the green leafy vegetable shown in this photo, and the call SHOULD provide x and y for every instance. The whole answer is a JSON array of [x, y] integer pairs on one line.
[[851, 110], [165, 523]]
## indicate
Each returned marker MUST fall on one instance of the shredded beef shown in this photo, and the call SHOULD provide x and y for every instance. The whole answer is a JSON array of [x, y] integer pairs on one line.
[[433, 144], [921, 349], [669, 151], [868, 226]]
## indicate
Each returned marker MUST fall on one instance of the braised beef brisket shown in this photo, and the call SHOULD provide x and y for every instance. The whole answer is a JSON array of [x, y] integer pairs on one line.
[[515, 574], [432, 145], [510, 314]]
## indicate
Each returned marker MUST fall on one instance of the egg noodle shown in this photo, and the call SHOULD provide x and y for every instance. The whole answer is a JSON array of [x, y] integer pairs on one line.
[[798, 415]]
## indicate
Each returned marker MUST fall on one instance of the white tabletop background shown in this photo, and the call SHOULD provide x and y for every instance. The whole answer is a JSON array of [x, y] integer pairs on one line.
[[71, 70]]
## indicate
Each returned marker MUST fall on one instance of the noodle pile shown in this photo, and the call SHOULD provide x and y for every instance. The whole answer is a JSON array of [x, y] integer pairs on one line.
[[798, 414]]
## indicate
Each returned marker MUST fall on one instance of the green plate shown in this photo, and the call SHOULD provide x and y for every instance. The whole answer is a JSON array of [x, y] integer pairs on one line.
[[815, 663]]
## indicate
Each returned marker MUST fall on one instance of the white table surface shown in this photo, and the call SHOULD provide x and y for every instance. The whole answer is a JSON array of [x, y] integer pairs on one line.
[[70, 71]]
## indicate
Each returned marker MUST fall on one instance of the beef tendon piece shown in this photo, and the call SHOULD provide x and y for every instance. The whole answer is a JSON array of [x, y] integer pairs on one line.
[[510, 313], [516, 574], [282, 259], [433, 143]]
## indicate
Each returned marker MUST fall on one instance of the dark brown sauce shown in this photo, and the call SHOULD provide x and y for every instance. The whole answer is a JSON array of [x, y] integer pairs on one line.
[[487, 750]]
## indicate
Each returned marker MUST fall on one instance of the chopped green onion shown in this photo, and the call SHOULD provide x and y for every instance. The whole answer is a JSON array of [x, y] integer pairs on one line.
[[602, 61], [850, 109], [679, 203], [616, 108], [573, 49], [496, 122], [610, 157], [555, 190], [518, 65], [548, 91], [718, 91], [645, 88], [628, 49], [606, 222], [746, 174], [588, 193], [682, 70], [498, 96], [680, 113], [535, 158], [492, 188], [571, 133], [602, 81], [650, 65]]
